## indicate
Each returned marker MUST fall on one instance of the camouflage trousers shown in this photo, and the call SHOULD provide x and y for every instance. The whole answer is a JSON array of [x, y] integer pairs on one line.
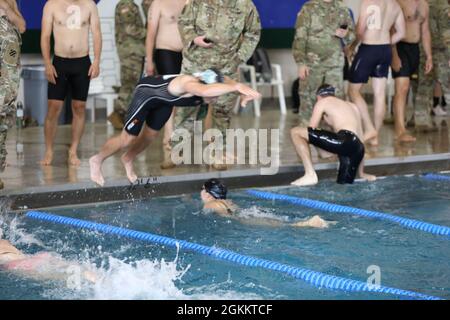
[[9, 86], [130, 74], [221, 109], [441, 69], [424, 90], [318, 75]]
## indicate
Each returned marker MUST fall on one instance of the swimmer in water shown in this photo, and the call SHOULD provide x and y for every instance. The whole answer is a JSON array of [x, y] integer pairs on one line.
[[42, 265], [214, 197]]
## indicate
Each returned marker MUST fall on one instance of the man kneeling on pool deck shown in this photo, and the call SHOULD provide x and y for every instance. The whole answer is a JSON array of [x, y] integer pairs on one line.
[[42, 265], [214, 197], [151, 107], [345, 119]]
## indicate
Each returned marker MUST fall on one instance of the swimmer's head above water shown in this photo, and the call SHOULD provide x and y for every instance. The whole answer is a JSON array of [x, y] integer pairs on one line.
[[213, 189], [325, 90], [210, 76]]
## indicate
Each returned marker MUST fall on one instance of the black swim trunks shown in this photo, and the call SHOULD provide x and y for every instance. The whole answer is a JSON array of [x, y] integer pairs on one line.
[[409, 54], [152, 103], [346, 145], [73, 75], [371, 61], [168, 61]]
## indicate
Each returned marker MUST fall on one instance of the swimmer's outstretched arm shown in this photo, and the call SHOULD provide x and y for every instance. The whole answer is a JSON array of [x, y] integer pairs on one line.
[[191, 85]]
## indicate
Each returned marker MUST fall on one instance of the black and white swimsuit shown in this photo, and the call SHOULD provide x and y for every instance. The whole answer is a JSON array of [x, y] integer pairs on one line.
[[153, 104]]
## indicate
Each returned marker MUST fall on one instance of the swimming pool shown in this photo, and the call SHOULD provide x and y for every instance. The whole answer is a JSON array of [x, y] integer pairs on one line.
[[407, 259]]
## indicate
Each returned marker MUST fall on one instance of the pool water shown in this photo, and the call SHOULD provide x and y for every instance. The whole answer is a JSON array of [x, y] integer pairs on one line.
[[130, 269]]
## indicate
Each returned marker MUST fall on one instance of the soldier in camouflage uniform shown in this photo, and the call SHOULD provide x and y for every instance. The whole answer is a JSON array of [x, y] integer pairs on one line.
[[440, 41], [234, 28], [130, 43], [145, 6], [10, 42], [318, 49]]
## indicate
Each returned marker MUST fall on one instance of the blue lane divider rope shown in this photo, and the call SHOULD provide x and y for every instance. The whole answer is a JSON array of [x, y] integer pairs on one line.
[[314, 278], [438, 177], [331, 207]]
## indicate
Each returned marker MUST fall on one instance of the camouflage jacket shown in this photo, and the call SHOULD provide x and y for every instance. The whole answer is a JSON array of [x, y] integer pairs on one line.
[[315, 41], [233, 25], [10, 42], [130, 30], [439, 24]]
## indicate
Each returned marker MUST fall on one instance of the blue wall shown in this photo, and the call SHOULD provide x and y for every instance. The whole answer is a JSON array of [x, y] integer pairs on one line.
[[281, 15], [32, 12], [278, 14], [277, 17]]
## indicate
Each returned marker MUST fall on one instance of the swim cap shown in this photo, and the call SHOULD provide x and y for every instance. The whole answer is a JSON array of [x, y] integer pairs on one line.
[[326, 90], [216, 188], [210, 76]]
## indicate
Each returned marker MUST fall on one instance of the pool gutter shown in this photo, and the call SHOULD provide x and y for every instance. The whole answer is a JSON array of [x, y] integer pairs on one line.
[[121, 190]]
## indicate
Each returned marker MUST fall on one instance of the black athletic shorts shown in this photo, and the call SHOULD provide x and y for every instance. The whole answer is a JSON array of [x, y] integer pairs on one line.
[[371, 61], [152, 104], [409, 54], [346, 70], [73, 74], [168, 61], [346, 145]]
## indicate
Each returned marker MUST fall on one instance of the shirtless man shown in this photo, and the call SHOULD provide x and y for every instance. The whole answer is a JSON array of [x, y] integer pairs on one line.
[[70, 21], [152, 106], [345, 141], [214, 198], [406, 59], [163, 49], [376, 19], [42, 265]]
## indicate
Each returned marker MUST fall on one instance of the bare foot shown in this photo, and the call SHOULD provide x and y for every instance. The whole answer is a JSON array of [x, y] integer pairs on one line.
[[371, 138], [314, 222], [370, 135], [306, 180], [48, 158], [368, 177], [128, 165], [73, 159], [372, 142], [405, 137], [317, 222], [96, 170]]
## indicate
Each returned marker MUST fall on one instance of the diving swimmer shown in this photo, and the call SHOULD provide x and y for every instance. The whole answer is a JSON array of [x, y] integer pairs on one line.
[[151, 107]]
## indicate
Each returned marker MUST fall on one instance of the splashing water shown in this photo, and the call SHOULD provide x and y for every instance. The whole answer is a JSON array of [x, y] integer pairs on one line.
[[255, 212], [142, 279], [15, 234]]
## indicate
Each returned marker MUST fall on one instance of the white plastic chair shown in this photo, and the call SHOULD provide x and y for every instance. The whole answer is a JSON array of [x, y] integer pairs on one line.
[[276, 81], [97, 91]]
